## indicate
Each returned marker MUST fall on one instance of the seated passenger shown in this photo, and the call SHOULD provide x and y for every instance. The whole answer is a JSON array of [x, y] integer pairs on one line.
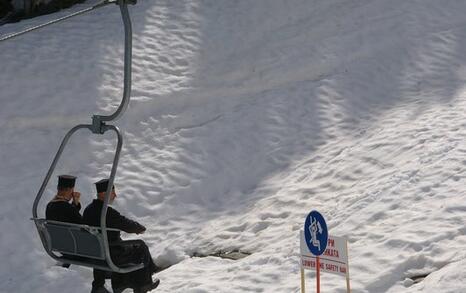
[[122, 252], [60, 209]]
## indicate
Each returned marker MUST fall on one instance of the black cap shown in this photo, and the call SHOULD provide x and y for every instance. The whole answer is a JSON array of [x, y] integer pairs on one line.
[[102, 185], [66, 181]]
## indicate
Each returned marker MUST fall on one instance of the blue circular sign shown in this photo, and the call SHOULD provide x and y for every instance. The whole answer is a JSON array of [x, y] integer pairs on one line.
[[315, 233]]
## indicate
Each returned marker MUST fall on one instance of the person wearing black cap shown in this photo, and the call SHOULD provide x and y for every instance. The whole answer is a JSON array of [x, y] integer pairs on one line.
[[59, 208], [122, 252]]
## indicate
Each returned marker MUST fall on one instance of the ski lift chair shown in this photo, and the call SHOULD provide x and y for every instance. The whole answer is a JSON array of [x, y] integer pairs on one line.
[[81, 244]]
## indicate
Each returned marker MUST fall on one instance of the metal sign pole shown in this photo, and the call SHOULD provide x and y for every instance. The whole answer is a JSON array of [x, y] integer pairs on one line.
[[348, 288], [318, 274], [303, 282]]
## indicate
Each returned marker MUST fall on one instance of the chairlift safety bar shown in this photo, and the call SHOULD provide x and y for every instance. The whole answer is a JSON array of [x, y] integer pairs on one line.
[[85, 227]]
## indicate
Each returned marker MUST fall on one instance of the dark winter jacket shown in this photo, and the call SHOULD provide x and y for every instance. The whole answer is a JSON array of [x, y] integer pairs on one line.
[[63, 211], [91, 217]]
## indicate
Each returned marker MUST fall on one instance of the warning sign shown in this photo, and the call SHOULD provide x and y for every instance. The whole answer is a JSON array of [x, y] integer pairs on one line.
[[334, 260]]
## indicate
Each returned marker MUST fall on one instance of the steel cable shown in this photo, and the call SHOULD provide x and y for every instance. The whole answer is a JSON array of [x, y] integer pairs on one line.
[[14, 35]]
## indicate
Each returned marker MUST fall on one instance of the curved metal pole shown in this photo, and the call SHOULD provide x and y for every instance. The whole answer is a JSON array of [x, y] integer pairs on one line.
[[54, 164], [103, 214], [127, 67]]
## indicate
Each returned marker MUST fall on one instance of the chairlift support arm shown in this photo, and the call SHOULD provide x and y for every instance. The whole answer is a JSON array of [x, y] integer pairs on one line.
[[98, 121]]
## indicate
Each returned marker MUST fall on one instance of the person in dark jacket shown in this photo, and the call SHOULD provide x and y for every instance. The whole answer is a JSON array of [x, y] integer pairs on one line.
[[60, 208], [5, 7], [122, 252]]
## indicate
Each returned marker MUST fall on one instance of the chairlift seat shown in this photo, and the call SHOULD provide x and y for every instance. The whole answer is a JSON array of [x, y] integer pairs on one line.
[[76, 244]]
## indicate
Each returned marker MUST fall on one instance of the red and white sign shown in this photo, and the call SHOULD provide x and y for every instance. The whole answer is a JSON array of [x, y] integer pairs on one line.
[[334, 260]]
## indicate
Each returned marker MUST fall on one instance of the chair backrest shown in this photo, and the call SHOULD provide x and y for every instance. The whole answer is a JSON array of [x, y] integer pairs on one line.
[[71, 239]]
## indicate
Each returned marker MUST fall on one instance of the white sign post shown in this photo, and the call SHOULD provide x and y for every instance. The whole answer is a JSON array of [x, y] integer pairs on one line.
[[334, 260]]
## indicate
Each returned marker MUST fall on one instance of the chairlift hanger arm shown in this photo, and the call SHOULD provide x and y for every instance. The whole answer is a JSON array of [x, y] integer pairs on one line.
[[98, 126], [98, 121]]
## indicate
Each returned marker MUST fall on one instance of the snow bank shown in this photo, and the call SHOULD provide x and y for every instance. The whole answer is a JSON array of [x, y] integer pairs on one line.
[[245, 116]]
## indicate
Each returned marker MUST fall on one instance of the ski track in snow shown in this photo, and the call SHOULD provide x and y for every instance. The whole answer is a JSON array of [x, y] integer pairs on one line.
[[246, 116]]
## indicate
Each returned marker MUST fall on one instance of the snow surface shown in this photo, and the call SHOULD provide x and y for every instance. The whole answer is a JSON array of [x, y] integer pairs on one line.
[[245, 116]]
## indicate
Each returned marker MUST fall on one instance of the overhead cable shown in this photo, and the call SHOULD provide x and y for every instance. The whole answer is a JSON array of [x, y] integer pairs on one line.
[[99, 5]]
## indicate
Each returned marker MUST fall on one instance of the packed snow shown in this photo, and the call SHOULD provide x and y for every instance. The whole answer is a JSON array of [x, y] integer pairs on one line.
[[245, 116]]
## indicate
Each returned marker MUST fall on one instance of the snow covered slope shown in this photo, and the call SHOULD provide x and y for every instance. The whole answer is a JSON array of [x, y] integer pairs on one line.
[[245, 116]]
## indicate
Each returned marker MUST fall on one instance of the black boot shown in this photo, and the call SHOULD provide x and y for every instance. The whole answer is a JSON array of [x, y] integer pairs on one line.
[[148, 287], [99, 290], [119, 287]]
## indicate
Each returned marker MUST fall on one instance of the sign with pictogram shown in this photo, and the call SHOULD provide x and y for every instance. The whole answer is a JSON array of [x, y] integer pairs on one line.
[[315, 233], [321, 252]]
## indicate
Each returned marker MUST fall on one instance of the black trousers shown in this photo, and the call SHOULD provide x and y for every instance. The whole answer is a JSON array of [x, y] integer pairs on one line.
[[125, 252]]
